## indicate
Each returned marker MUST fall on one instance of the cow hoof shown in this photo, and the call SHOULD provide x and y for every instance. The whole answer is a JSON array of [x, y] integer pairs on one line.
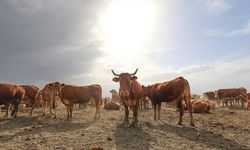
[[179, 123], [5, 116], [192, 124]]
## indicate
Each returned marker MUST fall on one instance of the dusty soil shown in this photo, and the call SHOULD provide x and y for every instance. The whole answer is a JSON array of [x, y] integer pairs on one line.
[[223, 128]]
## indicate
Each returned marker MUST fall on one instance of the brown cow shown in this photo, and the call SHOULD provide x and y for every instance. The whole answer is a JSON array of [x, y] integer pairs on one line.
[[248, 95], [31, 96], [130, 92], [11, 94], [227, 95], [49, 97], [111, 105], [177, 89], [70, 95], [210, 95], [115, 95], [247, 105], [241, 100], [200, 106]]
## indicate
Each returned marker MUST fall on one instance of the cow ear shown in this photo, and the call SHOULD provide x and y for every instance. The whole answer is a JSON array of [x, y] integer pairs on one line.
[[63, 84], [133, 77], [115, 79]]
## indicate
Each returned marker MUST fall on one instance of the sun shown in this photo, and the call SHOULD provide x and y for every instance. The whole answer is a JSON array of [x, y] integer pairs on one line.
[[126, 25]]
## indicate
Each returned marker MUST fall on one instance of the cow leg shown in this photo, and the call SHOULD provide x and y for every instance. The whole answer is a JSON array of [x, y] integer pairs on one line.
[[68, 111], [33, 106], [7, 110], [154, 106], [180, 117], [190, 109], [126, 121], [159, 111], [135, 114], [97, 108], [15, 110], [71, 106]]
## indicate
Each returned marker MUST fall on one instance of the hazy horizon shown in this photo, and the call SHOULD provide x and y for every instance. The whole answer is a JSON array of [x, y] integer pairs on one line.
[[79, 42]]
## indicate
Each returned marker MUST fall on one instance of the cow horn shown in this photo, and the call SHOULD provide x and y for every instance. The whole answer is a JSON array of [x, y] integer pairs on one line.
[[115, 73], [134, 72]]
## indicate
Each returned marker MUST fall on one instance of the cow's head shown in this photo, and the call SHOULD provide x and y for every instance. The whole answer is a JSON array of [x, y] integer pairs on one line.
[[112, 91], [146, 90], [125, 81], [55, 87]]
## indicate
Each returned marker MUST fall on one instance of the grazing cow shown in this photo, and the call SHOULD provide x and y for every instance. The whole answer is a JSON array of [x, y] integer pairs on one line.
[[177, 89], [228, 95], [70, 95], [130, 92], [49, 97], [210, 95], [111, 105], [31, 96], [11, 94], [200, 106], [115, 95], [240, 100]]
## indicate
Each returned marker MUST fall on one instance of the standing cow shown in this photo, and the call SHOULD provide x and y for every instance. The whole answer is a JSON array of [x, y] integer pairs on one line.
[[228, 95], [11, 94], [70, 95], [49, 93], [31, 96], [130, 92], [177, 89]]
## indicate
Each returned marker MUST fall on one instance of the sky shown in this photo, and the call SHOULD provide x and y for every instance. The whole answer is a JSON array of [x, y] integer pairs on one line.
[[79, 42]]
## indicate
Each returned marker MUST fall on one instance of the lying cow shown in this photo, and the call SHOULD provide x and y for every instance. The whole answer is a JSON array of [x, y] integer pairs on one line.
[[11, 94], [200, 106], [70, 95], [111, 105]]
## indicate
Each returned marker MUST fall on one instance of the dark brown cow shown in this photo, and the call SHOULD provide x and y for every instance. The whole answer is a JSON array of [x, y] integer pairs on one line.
[[70, 95], [210, 95], [130, 92], [225, 94], [11, 94], [177, 89], [31, 96], [49, 97], [115, 95]]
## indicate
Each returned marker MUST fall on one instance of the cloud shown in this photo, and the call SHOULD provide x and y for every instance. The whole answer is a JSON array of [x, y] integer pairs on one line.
[[41, 43], [245, 30], [242, 31], [227, 72], [215, 6]]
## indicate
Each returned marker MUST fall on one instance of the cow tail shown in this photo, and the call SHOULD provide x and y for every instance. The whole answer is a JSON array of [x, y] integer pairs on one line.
[[187, 95]]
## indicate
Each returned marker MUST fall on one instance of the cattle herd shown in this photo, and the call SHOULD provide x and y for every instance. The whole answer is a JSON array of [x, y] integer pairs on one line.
[[130, 97]]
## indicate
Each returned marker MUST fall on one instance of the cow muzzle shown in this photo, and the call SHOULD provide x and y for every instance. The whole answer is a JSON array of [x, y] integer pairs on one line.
[[124, 94]]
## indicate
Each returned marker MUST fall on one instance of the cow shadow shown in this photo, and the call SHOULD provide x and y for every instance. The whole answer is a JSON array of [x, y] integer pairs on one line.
[[131, 138], [212, 140], [28, 126]]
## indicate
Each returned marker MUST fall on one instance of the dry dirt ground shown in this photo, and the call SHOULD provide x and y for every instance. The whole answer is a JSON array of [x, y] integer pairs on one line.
[[223, 128]]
